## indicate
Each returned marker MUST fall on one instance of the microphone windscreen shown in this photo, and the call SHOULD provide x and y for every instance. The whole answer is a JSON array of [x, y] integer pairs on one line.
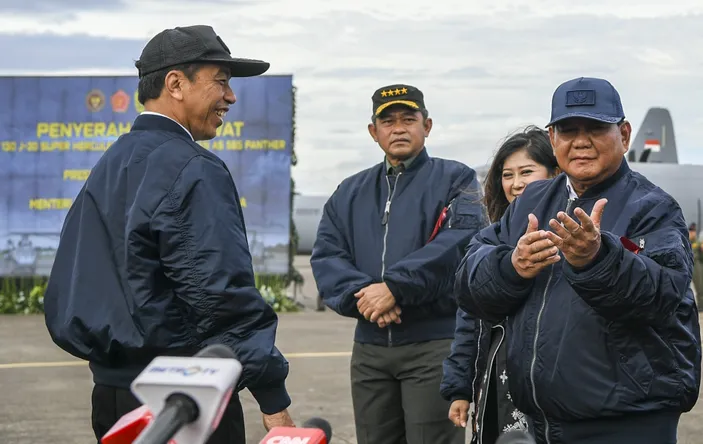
[[319, 423], [515, 437], [216, 351]]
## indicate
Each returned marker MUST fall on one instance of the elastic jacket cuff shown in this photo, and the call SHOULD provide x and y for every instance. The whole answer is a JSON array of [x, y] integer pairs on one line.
[[271, 399], [508, 272]]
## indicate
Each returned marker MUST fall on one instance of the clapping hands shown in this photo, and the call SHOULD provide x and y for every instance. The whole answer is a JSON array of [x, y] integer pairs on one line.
[[537, 249], [534, 251], [578, 243]]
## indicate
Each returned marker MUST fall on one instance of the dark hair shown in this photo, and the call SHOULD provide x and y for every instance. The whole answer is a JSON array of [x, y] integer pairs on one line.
[[536, 142], [150, 85]]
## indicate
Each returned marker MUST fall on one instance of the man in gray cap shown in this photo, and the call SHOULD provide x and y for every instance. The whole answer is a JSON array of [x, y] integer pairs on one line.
[[591, 272], [153, 258]]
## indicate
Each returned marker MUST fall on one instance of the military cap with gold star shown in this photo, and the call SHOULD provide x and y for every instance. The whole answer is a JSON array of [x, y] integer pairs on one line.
[[397, 95]]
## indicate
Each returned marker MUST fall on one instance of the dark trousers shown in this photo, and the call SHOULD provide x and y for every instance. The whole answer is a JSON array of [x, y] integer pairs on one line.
[[395, 394], [110, 403]]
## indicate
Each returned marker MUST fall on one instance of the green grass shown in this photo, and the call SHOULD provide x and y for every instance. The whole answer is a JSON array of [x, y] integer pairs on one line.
[[26, 295]]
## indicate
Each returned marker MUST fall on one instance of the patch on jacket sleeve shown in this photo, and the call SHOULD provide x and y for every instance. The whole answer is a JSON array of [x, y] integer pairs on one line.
[[466, 214], [629, 245], [665, 248]]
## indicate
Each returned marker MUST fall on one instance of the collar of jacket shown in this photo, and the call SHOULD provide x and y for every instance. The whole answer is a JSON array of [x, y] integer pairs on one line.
[[405, 163], [159, 123], [415, 165], [597, 190]]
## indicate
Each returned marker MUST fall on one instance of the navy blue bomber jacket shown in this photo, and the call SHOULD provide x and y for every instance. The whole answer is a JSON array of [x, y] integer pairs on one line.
[[154, 260], [376, 228], [620, 336]]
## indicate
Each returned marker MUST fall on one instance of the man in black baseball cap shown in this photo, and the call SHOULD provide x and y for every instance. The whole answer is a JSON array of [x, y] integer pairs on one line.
[[194, 44], [153, 258], [189, 68]]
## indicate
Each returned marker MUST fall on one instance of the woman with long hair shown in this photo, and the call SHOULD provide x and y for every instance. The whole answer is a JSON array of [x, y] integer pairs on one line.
[[475, 371]]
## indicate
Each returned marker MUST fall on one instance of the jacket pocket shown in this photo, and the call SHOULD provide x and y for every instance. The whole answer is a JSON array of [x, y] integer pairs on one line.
[[632, 361]]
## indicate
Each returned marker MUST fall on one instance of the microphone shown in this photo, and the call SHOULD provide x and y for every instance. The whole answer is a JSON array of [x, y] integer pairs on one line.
[[189, 396], [129, 426], [515, 437], [313, 431]]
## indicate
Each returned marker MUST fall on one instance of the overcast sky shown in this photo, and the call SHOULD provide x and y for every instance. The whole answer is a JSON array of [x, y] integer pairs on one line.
[[486, 67]]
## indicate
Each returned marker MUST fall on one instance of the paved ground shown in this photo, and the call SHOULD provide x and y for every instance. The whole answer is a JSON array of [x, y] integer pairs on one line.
[[51, 404], [46, 394]]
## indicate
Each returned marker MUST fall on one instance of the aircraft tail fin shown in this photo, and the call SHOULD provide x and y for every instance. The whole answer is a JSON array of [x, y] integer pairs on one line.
[[655, 141]]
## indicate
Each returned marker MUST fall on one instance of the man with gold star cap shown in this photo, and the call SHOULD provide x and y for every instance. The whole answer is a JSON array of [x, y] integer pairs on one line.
[[387, 246]]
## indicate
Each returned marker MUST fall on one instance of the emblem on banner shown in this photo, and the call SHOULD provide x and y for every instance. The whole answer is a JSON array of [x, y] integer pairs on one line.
[[95, 100], [120, 101]]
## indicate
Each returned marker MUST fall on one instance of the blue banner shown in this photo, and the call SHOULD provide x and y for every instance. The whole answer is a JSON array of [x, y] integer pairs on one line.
[[54, 129]]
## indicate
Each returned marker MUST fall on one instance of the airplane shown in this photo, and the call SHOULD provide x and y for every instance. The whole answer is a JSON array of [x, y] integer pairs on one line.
[[652, 153]]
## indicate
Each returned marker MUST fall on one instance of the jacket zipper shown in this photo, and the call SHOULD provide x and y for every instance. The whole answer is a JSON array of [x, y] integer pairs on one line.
[[534, 345], [534, 354], [384, 222], [489, 369], [569, 203], [473, 382]]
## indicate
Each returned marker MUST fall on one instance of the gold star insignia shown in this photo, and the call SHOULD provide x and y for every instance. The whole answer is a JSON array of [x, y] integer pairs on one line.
[[384, 93], [404, 90], [397, 92], [390, 92]]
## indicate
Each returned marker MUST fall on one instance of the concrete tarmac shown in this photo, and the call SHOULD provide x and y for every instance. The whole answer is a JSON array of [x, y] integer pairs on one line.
[[46, 393]]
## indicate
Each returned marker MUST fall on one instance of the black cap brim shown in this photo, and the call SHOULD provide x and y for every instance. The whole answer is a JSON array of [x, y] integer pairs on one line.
[[241, 67]]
